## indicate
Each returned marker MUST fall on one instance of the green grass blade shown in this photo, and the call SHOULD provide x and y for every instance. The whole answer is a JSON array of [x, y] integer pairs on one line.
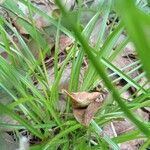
[[4, 109], [101, 71], [137, 24]]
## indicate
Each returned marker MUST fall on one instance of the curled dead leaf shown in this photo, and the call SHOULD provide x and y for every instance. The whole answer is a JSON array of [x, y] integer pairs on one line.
[[64, 42], [86, 104]]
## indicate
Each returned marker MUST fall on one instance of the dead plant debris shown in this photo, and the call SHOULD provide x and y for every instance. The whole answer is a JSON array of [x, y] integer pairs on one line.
[[85, 105]]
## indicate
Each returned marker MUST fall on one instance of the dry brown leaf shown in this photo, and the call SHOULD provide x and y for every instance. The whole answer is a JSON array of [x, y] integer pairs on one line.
[[85, 105], [64, 42], [82, 99], [91, 110]]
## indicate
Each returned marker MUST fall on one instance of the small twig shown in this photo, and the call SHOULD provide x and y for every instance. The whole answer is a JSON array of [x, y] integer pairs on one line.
[[105, 137]]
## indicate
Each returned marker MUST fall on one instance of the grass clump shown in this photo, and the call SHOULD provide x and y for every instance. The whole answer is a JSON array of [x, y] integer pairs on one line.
[[33, 78]]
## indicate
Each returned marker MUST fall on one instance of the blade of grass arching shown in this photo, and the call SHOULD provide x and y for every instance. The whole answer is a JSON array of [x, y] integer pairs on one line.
[[125, 88], [89, 27], [118, 49], [76, 66], [90, 74], [45, 81], [61, 134], [101, 71], [15, 12], [6, 43], [29, 113], [98, 81], [112, 26], [57, 48], [123, 69], [130, 72], [142, 104], [75, 72], [141, 98], [46, 102], [14, 97], [54, 89], [26, 51], [19, 101], [40, 47], [49, 125], [137, 24], [106, 49], [4, 109], [119, 78], [30, 103], [7, 91], [106, 7], [122, 75], [132, 135], [79, 6], [138, 92], [14, 53], [145, 145], [86, 32], [36, 36], [136, 79], [15, 50], [89, 78], [16, 80], [133, 64], [48, 18], [110, 41], [30, 58], [105, 137]]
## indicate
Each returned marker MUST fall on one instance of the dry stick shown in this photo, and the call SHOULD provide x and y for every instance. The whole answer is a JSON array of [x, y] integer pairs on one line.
[[105, 137]]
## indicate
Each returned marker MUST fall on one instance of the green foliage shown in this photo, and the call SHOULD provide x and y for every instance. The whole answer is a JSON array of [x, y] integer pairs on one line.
[[36, 109]]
